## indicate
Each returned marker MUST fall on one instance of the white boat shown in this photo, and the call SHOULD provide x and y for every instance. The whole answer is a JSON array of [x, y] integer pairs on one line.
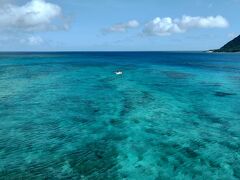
[[118, 72]]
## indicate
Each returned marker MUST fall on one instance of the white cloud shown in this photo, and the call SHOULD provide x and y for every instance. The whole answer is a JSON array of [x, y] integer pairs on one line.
[[161, 27], [168, 26], [36, 15], [122, 27], [202, 22], [32, 40], [21, 39]]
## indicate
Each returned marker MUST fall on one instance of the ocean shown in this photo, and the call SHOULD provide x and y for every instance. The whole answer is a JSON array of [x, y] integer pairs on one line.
[[170, 115]]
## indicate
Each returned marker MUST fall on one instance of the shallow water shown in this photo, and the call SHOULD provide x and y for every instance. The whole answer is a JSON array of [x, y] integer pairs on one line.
[[169, 116]]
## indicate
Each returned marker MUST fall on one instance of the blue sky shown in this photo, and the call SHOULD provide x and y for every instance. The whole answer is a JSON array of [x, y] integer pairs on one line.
[[117, 25]]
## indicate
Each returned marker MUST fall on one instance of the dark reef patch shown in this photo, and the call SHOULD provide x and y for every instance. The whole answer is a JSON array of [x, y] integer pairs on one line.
[[236, 170], [237, 78], [189, 152], [235, 146], [147, 97], [135, 99], [95, 160], [81, 120], [213, 84], [178, 75], [223, 94], [127, 107], [115, 136], [116, 122], [209, 117]]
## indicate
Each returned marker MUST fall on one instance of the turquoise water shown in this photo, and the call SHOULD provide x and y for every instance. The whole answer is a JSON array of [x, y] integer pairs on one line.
[[169, 116]]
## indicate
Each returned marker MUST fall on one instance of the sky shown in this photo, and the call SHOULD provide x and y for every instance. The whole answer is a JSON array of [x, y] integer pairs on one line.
[[117, 25]]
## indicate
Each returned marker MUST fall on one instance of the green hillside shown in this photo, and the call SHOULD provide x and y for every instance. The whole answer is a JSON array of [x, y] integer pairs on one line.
[[232, 46]]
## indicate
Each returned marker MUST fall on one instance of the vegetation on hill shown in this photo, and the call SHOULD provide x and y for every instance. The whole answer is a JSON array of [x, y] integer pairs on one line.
[[231, 46]]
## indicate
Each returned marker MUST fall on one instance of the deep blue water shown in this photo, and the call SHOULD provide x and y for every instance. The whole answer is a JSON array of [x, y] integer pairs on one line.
[[170, 115]]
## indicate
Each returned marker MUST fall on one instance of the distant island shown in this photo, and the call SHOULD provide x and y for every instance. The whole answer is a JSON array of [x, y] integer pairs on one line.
[[231, 46]]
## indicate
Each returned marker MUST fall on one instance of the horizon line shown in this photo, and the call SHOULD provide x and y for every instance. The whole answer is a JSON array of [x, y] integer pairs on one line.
[[76, 51]]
